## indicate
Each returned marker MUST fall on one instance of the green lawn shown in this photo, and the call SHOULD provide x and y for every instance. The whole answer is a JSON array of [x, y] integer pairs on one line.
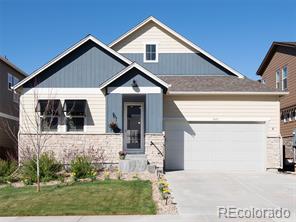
[[91, 198]]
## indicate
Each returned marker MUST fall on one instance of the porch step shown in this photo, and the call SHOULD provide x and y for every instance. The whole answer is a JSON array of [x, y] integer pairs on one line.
[[133, 163]]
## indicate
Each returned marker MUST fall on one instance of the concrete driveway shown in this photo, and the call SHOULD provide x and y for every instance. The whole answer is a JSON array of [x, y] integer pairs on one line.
[[200, 193]]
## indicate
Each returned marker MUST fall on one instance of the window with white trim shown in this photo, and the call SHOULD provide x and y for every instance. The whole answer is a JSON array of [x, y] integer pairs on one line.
[[293, 115], [11, 81], [49, 111], [277, 79], [75, 111], [151, 54], [284, 78]]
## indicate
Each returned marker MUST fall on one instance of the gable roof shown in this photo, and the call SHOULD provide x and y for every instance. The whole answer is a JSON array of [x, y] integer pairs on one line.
[[69, 50], [178, 36], [217, 85], [271, 52], [137, 66], [13, 66]]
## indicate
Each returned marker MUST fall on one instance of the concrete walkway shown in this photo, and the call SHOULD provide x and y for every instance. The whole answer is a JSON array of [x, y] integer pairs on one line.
[[200, 193]]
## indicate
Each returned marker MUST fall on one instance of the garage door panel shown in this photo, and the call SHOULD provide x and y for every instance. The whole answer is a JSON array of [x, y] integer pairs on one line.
[[215, 146]]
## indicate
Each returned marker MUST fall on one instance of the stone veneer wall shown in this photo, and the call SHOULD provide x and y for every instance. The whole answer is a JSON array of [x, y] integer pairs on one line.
[[274, 153], [66, 145], [155, 152], [288, 143]]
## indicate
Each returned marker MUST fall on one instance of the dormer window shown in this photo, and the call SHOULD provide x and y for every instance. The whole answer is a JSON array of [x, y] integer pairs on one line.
[[151, 54]]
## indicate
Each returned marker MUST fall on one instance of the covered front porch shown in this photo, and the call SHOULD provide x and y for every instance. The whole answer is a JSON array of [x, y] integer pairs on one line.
[[134, 109]]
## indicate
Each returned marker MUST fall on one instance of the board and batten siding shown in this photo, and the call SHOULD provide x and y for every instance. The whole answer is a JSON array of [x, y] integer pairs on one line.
[[179, 64], [228, 108], [95, 109], [87, 66]]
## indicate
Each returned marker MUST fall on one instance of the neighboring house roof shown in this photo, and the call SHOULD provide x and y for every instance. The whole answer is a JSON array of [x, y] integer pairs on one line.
[[13, 66], [137, 66], [216, 85], [271, 52], [178, 36], [75, 46]]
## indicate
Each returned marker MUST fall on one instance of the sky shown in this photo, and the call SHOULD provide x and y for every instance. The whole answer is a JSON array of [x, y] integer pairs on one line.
[[237, 32]]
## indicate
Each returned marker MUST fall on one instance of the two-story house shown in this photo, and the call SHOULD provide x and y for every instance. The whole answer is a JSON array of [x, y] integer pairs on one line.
[[156, 95], [278, 70], [9, 106]]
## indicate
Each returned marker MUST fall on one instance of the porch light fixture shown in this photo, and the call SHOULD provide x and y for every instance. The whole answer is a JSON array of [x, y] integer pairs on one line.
[[134, 84]]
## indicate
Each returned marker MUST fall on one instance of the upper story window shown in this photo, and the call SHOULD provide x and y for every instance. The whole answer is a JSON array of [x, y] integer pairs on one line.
[[11, 81], [277, 79], [284, 78], [151, 54]]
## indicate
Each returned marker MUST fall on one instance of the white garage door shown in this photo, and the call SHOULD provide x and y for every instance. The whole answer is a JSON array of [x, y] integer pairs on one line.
[[215, 146]]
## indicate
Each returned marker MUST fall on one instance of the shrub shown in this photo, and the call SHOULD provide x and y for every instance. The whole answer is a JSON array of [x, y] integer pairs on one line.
[[7, 167], [49, 167], [81, 167]]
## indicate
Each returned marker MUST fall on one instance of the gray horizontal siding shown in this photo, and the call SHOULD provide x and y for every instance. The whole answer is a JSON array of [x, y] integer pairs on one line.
[[87, 66], [179, 64]]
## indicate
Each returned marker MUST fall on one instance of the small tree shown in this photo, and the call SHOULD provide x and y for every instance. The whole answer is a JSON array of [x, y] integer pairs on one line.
[[36, 125]]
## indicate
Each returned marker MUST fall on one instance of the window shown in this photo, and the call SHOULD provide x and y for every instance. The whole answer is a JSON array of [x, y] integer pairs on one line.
[[150, 53], [284, 78], [11, 81], [75, 114], [293, 116], [277, 79], [49, 111]]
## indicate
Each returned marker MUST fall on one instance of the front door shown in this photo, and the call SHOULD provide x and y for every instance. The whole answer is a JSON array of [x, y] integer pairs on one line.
[[134, 127]]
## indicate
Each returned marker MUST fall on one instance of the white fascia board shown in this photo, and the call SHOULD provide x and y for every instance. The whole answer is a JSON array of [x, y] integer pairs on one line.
[[134, 65], [131, 90], [171, 31], [227, 93], [89, 37], [220, 119], [56, 92]]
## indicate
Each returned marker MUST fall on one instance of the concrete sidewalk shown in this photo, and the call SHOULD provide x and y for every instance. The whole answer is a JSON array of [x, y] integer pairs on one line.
[[156, 218]]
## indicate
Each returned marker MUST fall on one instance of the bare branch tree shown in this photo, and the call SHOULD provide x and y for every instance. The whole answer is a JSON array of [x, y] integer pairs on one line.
[[37, 121]]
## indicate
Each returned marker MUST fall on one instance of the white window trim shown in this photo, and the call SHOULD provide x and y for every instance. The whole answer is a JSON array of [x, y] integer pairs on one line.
[[73, 132], [68, 116], [9, 75], [14, 80], [48, 131], [156, 52], [285, 67], [45, 116], [277, 79]]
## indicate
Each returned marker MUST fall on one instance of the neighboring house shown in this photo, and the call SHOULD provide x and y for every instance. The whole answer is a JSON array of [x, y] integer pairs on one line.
[[9, 106], [278, 70], [164, 96]]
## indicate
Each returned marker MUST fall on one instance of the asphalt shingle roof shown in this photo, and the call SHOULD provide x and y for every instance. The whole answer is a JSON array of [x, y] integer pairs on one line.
[[214, 84]]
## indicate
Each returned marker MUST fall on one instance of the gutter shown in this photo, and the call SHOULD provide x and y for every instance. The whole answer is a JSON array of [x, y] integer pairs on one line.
[[226, 93]]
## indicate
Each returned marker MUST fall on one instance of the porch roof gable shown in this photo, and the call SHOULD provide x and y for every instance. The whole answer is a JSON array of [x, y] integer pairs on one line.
[[128, 68]]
